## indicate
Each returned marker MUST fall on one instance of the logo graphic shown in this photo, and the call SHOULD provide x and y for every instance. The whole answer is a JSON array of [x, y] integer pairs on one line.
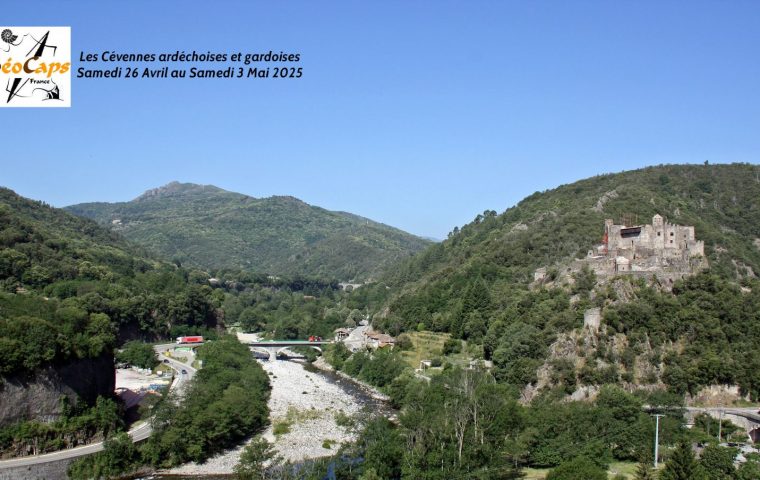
[[35, 67]]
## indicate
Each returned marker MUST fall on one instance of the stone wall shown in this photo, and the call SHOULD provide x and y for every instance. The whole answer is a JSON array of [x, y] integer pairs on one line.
[[43, 471]]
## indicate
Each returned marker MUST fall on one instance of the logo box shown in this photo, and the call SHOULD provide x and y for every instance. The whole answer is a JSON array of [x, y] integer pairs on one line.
[[35, 66]]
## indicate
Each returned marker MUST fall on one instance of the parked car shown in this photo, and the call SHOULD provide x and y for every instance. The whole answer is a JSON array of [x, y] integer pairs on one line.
[[184, 372]]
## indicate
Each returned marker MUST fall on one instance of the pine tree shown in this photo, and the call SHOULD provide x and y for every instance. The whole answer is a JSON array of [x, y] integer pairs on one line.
[[644, 470], [682, 465]]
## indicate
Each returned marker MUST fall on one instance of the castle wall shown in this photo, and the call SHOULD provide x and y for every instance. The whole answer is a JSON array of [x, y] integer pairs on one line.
[[643, 251], [661, 249], [660, 237]]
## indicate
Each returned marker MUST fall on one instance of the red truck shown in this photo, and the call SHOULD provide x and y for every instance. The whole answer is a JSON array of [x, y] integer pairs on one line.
[[189, 340]]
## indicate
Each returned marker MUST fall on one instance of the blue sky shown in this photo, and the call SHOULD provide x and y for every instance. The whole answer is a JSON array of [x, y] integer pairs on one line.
[[419, 114]]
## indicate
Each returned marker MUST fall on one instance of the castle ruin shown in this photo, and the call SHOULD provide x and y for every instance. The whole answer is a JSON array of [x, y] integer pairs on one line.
[[660, 249]]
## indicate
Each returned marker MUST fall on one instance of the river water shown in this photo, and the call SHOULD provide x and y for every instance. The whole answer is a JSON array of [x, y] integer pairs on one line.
[[314, 397]]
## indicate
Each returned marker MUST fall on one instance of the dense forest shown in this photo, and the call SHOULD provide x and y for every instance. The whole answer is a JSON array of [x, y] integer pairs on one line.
[[207, 227], [70, 293], [72, 289]]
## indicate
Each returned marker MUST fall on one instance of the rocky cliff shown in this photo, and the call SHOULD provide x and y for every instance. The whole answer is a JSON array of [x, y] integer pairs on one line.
[[38, 396]]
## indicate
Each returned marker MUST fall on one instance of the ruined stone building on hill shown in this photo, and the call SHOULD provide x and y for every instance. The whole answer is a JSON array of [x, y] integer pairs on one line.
[[660, 249]]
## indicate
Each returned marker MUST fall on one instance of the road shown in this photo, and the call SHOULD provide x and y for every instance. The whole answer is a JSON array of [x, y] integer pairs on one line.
[[138, 433], [355, 339], [750, 413]]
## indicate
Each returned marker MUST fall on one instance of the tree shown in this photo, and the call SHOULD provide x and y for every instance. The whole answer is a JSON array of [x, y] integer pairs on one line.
[[256, 458], [749, 470], [370, 474], [644, 469], [718, 462], [576, 469], [682, 465], [354, 318], [383, 449], [585, 280], [118, 457], [138, 354]]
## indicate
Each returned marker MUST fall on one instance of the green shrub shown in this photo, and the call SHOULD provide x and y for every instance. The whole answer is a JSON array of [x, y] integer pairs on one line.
[[138, 354], [577, 469]]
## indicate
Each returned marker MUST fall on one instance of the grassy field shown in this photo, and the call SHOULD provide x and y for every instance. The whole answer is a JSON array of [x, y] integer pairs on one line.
[[625, 468], [428, 345]]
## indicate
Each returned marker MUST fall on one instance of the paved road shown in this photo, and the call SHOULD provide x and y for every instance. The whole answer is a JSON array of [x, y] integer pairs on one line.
[[355, 339], [139, 432]]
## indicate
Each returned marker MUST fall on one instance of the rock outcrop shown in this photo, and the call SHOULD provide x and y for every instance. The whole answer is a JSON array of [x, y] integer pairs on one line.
[[38, 396]]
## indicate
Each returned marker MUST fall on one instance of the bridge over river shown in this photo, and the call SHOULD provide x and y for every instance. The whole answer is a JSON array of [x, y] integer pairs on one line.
[[273, 347]]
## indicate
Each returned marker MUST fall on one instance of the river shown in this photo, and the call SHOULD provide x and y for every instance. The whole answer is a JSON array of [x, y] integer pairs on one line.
[[316, 405]]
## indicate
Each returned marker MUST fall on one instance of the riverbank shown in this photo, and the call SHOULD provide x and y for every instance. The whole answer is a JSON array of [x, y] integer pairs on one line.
[[322, 364], [306, 408]]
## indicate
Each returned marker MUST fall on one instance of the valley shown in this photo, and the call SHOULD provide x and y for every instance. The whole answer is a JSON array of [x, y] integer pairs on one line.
[[530, 341]]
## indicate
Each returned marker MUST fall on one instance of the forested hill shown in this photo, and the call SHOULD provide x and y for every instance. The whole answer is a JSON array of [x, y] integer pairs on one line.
[[207, 227], [721, 201], [69, 287], [476, 284]]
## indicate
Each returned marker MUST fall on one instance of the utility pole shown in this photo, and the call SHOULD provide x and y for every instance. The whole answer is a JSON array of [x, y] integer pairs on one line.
[[720, 425], [657, 438]]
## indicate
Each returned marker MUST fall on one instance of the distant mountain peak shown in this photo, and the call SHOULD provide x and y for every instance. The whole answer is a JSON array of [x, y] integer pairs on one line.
[[207, 227], [177, 188]]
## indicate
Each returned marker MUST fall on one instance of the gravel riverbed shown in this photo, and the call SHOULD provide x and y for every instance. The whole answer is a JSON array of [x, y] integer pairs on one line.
[[309, 402]]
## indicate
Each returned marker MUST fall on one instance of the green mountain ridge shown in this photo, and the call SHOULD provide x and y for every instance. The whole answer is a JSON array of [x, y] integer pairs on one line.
[[721, 201], [208, 227], [70, 292], [478, 285]]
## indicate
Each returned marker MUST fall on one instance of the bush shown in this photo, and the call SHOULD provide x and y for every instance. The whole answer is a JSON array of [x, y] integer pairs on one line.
[[576, 469], [336, 354], [404, 343], [257, 457], [343, 420], [281, 428], [452, 345]]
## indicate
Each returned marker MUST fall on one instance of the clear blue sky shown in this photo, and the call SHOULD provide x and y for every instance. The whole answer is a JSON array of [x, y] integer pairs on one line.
[[417, 114]]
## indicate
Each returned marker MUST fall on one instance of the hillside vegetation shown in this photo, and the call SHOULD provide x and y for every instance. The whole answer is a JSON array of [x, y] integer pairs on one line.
[[205, 226], [655, 344], [69, 289], [476, 285]]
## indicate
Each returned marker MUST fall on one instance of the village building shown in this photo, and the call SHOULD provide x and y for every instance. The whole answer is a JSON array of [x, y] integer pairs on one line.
[[378, 340], [341, 334]]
